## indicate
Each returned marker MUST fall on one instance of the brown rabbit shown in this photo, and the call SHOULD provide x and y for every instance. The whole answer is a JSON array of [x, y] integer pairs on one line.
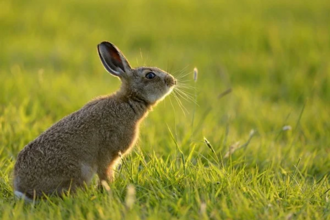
[[89, 141]]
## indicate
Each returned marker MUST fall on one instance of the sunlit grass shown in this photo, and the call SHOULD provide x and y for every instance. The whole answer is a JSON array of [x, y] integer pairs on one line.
[[262, 67]]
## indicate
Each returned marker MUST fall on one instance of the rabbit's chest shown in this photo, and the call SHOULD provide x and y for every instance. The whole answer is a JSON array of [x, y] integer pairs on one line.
[[128, 140], [122, 139]]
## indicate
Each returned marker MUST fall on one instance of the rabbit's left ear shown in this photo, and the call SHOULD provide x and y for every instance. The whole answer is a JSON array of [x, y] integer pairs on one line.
[[113, 60]]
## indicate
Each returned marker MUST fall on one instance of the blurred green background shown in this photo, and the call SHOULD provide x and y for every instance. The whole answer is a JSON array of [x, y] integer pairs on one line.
[[274, 55]]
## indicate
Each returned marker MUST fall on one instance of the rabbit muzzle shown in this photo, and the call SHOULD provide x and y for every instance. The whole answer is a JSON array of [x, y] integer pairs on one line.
[[170, 80]]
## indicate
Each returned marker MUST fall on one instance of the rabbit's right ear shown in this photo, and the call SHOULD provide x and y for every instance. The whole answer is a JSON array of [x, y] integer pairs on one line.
[[113, 60]]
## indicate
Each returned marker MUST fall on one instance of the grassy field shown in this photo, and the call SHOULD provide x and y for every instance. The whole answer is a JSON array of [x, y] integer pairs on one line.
[[273, 55]]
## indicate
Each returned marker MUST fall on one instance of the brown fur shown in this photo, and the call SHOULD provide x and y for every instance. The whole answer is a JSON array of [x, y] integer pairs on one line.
[[90, 140]]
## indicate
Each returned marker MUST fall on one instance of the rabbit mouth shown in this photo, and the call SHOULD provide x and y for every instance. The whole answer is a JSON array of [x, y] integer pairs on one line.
[[170, 88]]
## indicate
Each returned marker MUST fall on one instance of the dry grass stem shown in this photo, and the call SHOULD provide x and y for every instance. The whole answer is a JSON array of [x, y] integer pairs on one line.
[[105, 185], [232, 149], [226, 92], [209, 144], [195, 74], [286, 128], [130, 196]]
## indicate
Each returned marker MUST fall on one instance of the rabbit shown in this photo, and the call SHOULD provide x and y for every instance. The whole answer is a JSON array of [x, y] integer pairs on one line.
[[91, 140]]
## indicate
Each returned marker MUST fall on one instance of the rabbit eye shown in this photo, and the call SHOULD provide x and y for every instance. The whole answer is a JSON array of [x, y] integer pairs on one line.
[[150, 75]]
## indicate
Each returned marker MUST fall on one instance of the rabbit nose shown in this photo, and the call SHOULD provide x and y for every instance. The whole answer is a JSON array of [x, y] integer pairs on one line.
[[169, 80]]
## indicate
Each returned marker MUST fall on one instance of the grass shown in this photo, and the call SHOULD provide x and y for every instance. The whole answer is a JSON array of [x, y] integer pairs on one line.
[[272, 55]]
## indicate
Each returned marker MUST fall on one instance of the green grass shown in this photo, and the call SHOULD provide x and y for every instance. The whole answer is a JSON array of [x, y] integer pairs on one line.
[[274, 55]]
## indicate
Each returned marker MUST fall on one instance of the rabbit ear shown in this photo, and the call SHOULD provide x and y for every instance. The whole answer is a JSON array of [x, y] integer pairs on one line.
[[113, 60]]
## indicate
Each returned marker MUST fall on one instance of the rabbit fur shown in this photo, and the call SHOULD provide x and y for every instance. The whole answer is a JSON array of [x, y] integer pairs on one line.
[[90, 140]]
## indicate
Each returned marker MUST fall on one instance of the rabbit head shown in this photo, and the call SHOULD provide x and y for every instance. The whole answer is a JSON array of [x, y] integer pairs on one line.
[[147, 84]]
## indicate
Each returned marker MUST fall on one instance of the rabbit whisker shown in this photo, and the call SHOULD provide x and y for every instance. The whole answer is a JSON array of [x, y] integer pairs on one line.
[[184, 110], [185, 86], [185, 97], [186, 92]]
